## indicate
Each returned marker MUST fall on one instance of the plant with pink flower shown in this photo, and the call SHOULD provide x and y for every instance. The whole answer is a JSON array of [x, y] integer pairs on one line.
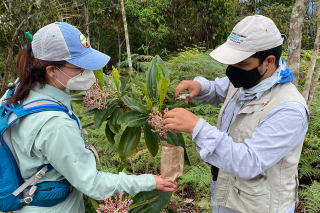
[[115, 205], [156, 121], [97, 97]]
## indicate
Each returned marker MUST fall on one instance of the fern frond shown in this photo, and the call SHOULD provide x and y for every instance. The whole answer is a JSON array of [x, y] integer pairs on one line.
[[199, 176]]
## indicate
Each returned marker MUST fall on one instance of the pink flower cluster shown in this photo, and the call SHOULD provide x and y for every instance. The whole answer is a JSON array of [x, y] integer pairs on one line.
[[156, 121], [97, 97], [116, 205]]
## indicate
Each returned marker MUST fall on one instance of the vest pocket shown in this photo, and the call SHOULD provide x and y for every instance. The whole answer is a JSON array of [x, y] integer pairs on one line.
[[252, 195]]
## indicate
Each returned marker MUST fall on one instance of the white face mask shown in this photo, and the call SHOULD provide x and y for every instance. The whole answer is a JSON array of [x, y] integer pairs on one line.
[[83, 81]]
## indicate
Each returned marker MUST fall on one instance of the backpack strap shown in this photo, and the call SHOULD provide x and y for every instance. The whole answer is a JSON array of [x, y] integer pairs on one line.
[[34, 179], [30, 108]]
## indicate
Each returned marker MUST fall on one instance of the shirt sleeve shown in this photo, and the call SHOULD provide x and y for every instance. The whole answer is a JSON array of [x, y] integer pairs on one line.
[[64, 148], [212, 92], [280, 131]]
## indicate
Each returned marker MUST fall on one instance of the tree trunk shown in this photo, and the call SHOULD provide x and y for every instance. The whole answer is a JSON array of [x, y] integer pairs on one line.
[[315, 52], [86, 17], [313, 85], [126, 36], [10, 52], [294, 40]]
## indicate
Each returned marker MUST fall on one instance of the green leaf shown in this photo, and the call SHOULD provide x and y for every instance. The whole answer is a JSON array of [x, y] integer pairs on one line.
[[131, 80], [161, 201], [149, 102], [94, 203], [152, 140], [77, 98], [109, 134], [113, 121], [159, 73], [88, 112], [176, 139], [129, 142], [106, 80], [151, 79], [99, 76], [133, 119], [88, 205], [101, 115], [162, 90], [132, 206], [116, 76], [134, 104]]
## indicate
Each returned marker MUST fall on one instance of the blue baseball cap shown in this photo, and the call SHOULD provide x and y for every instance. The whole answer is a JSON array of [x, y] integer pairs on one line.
[[60, 41]]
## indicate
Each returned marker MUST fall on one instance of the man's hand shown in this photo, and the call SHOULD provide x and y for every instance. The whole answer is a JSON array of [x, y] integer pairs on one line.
[[163, 185], [193, 88], [181, 120]]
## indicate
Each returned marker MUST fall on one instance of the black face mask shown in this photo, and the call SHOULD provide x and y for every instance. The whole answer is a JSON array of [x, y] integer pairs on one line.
[[243, 78]]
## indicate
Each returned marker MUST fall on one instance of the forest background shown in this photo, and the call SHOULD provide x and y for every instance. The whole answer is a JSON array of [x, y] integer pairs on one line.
[[182, 32]]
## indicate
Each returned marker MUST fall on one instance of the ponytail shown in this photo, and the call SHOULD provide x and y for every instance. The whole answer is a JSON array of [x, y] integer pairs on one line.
[[30, 71]]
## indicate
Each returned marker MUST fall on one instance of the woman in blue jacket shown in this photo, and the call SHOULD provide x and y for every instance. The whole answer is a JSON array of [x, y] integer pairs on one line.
[[61, 59]]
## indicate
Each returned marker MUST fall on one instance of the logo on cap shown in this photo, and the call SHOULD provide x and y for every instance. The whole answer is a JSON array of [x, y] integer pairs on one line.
[[84, 41], [237, 38]]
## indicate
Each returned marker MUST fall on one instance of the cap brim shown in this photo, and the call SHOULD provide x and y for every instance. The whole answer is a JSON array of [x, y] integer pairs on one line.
[[94, 60], [227, 55]]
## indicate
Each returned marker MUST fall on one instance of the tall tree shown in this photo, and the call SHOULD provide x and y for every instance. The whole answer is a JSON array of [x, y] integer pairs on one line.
[[126, 36], [294, 40]]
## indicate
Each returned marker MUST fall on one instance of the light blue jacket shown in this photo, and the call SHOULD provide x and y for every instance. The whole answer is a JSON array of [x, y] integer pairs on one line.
[[52, 137]]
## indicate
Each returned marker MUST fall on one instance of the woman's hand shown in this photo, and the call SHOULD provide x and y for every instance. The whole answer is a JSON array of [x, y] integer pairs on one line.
[[193, 88], [163, 185]]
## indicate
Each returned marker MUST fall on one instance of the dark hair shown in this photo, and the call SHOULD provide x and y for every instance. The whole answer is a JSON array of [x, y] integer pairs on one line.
[[262, 55], [30, 71]]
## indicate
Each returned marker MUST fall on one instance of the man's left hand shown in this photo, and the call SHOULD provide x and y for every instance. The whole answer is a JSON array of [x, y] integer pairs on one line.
[[181, 120]]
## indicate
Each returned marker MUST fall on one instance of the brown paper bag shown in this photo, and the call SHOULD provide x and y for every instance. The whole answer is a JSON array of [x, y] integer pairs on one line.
[[172, 161]]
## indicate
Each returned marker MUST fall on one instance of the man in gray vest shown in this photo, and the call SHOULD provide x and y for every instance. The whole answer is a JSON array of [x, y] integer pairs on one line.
[[255, 147]]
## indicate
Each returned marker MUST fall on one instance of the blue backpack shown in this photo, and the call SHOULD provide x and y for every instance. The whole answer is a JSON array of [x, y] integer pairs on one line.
[[14, 192]]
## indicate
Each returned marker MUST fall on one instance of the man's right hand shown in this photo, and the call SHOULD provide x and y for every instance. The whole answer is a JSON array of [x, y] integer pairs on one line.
[[193, 88], [163, 185]]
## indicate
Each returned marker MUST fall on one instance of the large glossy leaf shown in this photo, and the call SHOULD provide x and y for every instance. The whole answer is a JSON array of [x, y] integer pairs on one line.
[[109, 134], [88, 112], [134, 104], [113, 124], [133, 119], [162, 90], [88, 206], [176, 139], [99, 76], [129, 142], [131, 80], [95, 204], [159, 73], [156, 206], [108, 80], [151, 79], [149, 102], [144, 202], [152, 140], [101, 115]]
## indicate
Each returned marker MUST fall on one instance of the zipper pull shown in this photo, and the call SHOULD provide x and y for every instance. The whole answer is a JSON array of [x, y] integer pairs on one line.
[[238, 191]]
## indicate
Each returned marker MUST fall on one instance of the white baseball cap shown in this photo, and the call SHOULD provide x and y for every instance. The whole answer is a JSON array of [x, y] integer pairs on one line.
[[252, 34]]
